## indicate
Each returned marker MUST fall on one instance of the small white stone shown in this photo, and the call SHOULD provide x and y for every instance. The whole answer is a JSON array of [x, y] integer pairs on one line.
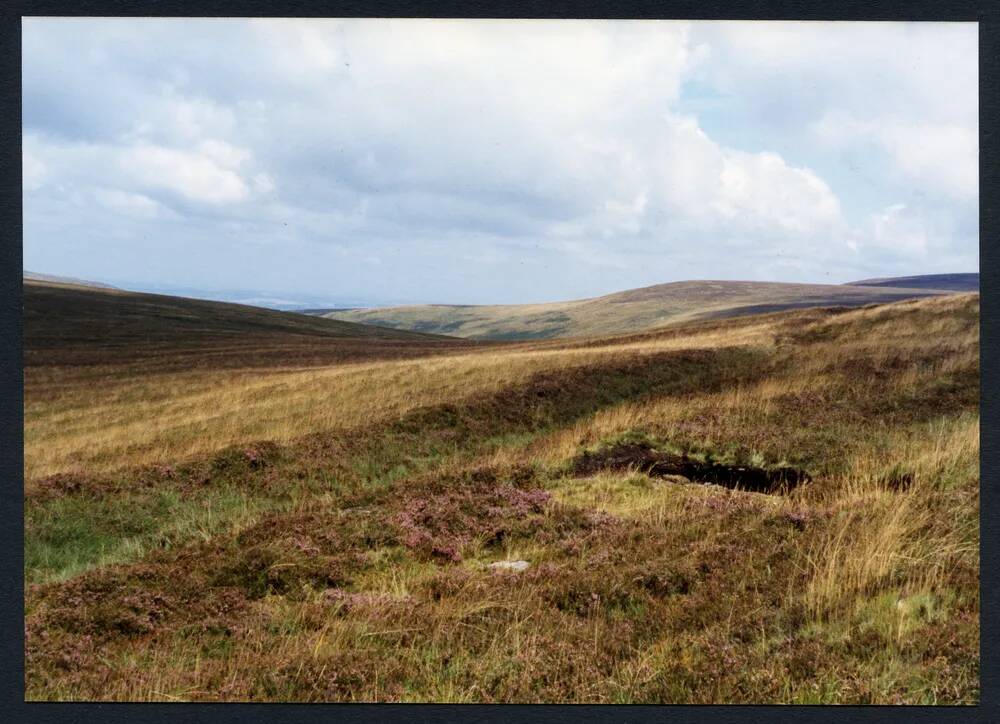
[[677, 479], [509, 565]]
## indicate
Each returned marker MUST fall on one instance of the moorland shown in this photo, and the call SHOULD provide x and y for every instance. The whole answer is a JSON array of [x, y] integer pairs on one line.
[[229, 503], [648, 307]]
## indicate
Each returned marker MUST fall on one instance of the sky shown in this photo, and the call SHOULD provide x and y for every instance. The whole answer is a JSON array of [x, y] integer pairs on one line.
[[368, 162]]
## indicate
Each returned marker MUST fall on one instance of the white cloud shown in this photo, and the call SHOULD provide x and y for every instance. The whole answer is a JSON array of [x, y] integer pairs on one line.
[[32, 170], [703, 185], [213, 173], [527, 143], [186, 119], [897, 229], [763, 187], [946, 157], [224, 154], [913, 69], [195, 176], [942, 158], [131, 204], [906, 90], [263, 184]]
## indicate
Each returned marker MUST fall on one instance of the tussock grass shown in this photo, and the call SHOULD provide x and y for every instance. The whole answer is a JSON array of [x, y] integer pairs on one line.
[[868, 548]]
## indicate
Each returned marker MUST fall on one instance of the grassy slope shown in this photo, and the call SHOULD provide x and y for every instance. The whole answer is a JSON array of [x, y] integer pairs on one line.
[[632, 310], [163, 377], [345, 562]]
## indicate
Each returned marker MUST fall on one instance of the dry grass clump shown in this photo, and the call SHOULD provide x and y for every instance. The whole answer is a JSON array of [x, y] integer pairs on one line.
[[891, 511]]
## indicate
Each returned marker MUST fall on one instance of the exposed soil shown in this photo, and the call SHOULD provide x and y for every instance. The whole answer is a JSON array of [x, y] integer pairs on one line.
[[645, 459]]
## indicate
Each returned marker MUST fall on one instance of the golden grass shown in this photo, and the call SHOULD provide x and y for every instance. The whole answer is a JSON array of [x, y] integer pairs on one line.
[[125, 419], [867, 547], [880, 537]]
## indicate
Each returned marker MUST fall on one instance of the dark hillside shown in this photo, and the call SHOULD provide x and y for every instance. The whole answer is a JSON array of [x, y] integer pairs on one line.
[[62, 323], [943, 282]]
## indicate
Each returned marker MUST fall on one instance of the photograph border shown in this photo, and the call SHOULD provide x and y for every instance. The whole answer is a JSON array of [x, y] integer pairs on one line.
[[13, 706]]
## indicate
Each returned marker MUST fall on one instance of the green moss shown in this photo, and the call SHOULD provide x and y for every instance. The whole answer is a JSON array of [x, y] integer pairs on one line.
[[69, 535]]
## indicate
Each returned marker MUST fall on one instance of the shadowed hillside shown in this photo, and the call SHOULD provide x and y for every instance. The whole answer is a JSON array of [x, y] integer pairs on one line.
[[623, 312], [62, 322], [949, 282]]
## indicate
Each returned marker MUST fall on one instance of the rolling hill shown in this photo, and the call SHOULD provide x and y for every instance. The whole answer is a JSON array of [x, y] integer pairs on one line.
[[62, 322], [632, 310]]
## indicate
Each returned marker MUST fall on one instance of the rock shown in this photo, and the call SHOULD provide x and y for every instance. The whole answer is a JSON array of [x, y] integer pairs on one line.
[[677, 479], [509, 565]]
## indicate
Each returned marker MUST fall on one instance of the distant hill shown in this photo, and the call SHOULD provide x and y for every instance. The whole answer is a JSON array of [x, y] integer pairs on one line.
[[74, 324], [628, 311], [948, 282], [71, 281]]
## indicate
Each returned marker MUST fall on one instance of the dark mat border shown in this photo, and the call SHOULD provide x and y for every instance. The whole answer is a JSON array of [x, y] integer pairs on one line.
[[12, 705]]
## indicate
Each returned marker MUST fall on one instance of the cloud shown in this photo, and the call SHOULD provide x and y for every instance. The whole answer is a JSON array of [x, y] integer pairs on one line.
[[465, 154], [194, 176], [801, 69], [763, 187], [898, 229], [942, 158], [900, 98], [32, 170], [131, 204], [212, 173]]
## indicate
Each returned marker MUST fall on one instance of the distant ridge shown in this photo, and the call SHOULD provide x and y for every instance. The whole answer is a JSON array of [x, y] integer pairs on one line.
[[649, 307], [947, 282], [72, 281]]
